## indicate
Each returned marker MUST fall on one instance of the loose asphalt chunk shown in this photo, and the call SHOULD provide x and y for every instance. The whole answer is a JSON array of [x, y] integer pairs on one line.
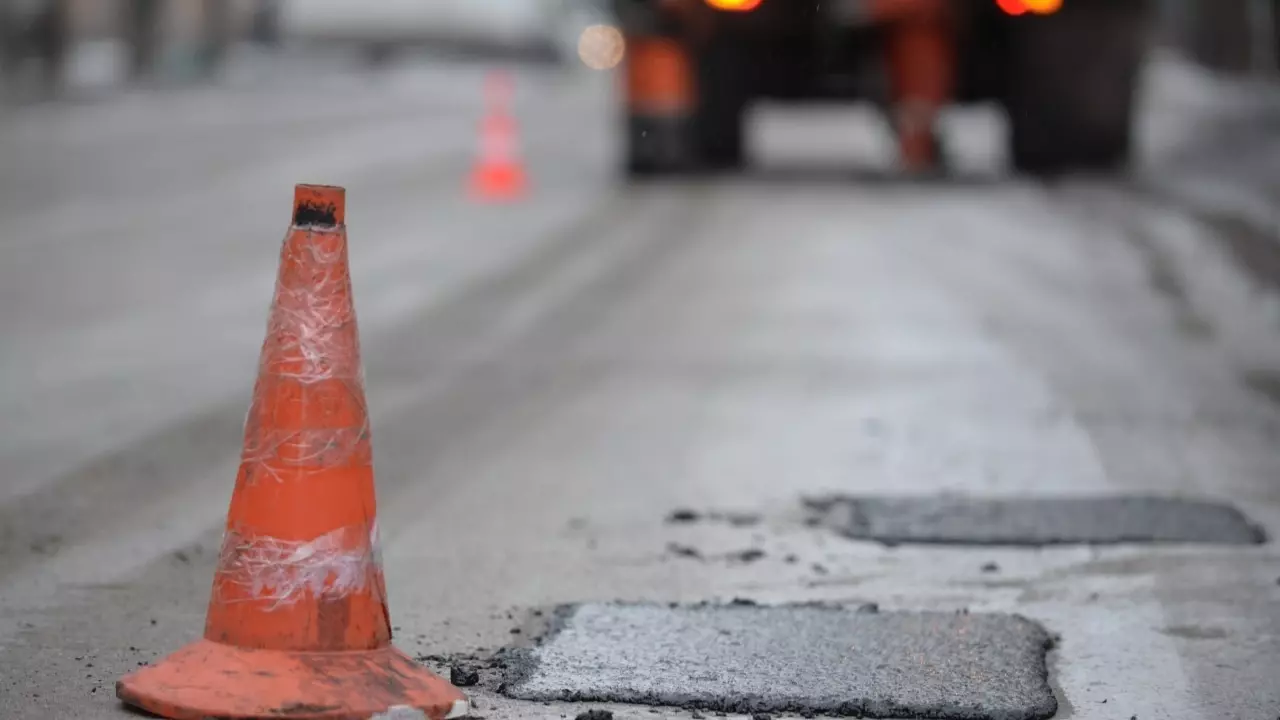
[[1036, 521], [800, 659], [463, 676]]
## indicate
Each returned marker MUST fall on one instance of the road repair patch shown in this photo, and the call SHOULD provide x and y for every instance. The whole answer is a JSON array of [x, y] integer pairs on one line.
[[1034, 521], [802, 659]]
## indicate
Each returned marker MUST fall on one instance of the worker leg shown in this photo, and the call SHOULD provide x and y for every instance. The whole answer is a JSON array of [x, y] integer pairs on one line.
[[921, 60]]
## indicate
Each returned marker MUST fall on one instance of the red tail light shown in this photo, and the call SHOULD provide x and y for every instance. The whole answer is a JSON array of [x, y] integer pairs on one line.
[[735, 5], [1021, 7]]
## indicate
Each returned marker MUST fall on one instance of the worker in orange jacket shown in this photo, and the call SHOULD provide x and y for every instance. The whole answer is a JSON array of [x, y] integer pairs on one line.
[[920, 59]]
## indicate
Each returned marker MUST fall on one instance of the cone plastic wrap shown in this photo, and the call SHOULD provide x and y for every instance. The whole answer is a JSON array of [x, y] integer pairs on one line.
[[306, 439], [283, 572]]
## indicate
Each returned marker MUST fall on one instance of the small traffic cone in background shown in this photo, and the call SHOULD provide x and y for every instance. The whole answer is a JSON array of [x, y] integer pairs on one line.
[[297, 623], [498, 173]]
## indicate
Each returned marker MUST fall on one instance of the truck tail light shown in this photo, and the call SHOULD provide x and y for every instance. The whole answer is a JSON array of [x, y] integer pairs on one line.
[[1038, 7], [735, 5]]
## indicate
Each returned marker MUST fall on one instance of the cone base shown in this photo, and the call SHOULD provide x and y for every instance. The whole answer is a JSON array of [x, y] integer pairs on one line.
[[498, 182], [207, 679]]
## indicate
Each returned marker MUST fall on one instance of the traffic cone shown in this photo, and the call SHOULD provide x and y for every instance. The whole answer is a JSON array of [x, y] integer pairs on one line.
[[498, 173], [297, 623]]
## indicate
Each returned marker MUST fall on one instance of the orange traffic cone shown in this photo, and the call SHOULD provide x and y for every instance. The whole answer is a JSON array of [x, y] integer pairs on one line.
[[498, 173], [297, 624]]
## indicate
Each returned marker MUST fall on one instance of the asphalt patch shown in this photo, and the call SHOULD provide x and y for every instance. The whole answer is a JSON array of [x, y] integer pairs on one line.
[[806, 659], [1033, 521]]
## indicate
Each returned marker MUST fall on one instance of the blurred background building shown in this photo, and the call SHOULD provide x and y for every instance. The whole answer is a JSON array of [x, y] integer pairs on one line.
[[58, 42]]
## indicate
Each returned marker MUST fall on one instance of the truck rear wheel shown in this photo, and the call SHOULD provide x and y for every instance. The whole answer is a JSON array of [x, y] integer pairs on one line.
[[659, 81], [657, 146], [705, 130], [723, 92], [1073, 86]]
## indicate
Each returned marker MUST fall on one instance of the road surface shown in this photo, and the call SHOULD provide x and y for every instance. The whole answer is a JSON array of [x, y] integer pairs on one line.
[[550, 379]]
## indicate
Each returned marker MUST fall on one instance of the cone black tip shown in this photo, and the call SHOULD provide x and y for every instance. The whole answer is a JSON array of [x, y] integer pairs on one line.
[[319, 205], [315, 213]]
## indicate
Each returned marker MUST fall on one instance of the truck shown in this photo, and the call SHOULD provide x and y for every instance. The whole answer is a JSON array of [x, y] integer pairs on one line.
[[1065, 72]]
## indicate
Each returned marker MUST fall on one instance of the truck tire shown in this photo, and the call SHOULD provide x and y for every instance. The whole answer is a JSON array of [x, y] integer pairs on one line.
[[657, 146], [1073, 87], [711, 136], [724, 89], [658, 79]]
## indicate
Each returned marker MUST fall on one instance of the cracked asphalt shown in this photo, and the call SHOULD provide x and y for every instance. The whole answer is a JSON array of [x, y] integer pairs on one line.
[[549, 381]]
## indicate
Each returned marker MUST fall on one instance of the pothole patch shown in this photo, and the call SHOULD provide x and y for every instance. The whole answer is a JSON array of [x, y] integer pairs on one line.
[[1034, 521], [798, 659]]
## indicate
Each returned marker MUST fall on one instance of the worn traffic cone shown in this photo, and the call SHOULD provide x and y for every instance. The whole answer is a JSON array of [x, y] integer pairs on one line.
[[498, 173], [297, 623]]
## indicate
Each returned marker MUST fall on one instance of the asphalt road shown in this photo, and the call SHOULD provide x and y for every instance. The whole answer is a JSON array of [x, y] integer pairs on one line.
[[548, 380]]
